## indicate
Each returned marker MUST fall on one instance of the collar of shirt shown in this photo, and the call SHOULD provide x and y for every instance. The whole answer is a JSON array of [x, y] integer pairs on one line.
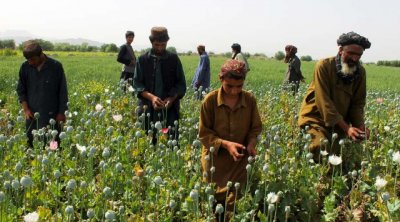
[[220, 99], [163, 56]]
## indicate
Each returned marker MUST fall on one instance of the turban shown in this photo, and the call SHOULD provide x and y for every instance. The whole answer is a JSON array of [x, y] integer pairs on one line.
[[237, 69], [159, 34], [353, 38], [236, 47], [291, 49]]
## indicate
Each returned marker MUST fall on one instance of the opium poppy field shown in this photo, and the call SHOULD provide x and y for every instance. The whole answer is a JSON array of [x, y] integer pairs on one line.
[[106, 168]]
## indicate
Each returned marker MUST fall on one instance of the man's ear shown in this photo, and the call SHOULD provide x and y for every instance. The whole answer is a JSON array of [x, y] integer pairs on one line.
[[340, 50]]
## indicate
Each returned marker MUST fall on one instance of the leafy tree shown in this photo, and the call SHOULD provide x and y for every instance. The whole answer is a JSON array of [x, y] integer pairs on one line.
[[172, 49], [306, 58], [92, 48], [83, 47], [7, 44], [279, 55], [111, 48], [246, 54], [65, 47], [227, 54]]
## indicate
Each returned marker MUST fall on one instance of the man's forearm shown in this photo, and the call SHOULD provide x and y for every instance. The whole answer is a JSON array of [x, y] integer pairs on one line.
[[147, 95], [24, 105], [343, 125]]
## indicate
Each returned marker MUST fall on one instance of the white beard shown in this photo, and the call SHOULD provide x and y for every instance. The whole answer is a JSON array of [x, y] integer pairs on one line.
[[347, 70]]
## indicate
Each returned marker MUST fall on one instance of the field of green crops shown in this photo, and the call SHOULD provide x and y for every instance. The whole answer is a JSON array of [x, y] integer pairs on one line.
[[107, 169]]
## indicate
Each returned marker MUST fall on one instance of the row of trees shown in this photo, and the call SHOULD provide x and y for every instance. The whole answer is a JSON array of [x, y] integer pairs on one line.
[[85, 47], [281, 55], [394, 63], [66, 47], [7, 44]]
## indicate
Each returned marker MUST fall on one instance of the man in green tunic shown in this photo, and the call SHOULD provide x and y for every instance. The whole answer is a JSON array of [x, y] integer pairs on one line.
[[335, 99]]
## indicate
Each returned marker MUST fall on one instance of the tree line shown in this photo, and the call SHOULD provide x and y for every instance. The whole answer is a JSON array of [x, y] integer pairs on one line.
[[394, 63], [62, 46], [85, 47]]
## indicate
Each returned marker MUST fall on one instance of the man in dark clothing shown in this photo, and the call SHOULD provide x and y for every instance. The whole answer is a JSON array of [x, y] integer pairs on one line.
[[293, 73], [127, 57], [159, 82], [42, 90]]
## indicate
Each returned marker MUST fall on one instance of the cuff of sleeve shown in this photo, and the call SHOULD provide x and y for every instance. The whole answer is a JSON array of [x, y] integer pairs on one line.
[[217, 146], [173, 92], [334, 121], [22, 99]]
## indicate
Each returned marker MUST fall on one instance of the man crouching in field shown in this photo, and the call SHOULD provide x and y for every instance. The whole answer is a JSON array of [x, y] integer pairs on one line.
[[335, 100], [229, 126], [42, 90]]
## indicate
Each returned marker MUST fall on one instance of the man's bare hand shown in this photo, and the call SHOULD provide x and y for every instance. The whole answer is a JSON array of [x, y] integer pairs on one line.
[[356, 134], [168, 102], [234, 149], [28, 113], [60, 118], [157, 103]]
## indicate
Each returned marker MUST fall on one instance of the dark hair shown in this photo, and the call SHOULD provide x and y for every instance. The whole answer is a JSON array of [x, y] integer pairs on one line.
[[236, 47], [129, 33], [31, 49]]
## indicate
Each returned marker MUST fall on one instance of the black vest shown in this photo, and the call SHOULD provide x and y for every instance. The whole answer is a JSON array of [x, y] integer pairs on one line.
[[169, 64]]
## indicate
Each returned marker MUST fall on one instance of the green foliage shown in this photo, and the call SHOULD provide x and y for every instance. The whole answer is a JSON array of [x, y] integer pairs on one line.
[[279, 55], [172, 49], [8, 52], [109, 48], [394, 63], [46, 45], [7, 44], [306, 58], [93, 79]]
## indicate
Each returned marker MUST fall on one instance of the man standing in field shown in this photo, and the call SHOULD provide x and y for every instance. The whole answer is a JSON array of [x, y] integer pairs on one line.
[[201, 79], [42, 90], [238, 55], [159, 82], [335, 99], [127, 57], [293, 73]]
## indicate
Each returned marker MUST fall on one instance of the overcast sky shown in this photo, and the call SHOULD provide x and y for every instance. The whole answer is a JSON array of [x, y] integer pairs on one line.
[[259, 26]]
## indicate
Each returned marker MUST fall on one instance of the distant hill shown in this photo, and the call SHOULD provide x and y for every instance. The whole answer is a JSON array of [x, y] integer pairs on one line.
[[20, 36]]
